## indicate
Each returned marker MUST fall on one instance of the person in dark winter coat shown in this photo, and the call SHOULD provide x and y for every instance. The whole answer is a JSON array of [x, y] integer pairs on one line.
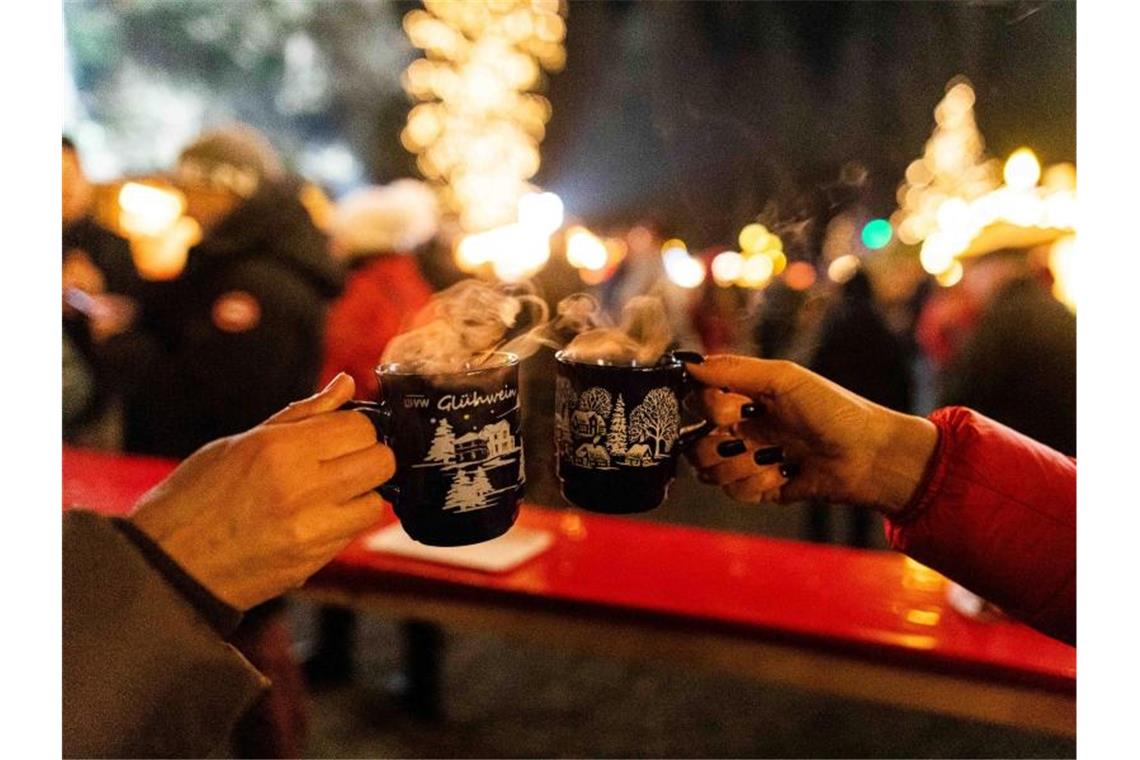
[[96, 264], [240, 332], [234, 338], [1019, 365], [857, 350]]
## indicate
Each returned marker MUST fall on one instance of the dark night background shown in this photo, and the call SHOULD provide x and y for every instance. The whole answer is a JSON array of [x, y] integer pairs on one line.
[[706, 112]]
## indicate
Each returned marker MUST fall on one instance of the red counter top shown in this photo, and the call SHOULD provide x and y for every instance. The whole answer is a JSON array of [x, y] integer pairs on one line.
[[880, 605]]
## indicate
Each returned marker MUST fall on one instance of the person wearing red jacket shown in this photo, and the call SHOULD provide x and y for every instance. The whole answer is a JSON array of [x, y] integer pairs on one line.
[[376, 231], [984, 505]]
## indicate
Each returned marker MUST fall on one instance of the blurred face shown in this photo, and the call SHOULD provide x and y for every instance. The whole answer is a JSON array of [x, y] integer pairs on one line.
[[76, 189], [208, 205]]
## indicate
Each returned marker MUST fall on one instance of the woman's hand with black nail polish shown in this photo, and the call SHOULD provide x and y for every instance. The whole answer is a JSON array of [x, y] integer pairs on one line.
[[807, 437]]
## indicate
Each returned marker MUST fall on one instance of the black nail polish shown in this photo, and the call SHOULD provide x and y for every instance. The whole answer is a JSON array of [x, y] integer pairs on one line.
[[751, 411], [732, 448], [689, 357], [770, 455], [789, 470]]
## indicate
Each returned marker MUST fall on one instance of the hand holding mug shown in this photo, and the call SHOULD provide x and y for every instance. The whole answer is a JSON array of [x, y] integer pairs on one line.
[[787, 434], [255, 514]]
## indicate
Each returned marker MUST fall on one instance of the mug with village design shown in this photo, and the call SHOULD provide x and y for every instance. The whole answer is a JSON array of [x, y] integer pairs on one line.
[[618, 433], [459, 455]]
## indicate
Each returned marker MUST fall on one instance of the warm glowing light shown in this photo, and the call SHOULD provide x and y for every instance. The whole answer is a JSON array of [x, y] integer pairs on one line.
[[1063, 265], [753, 238], [800, 275], [148, 210], [876, 234], [514, 252], [1061, 210], [779, 261], [1060, 177], [726, 267], [681, 268], [541, 211], [163, 256], [477, 125], [1022, 170], [953, 167], [951, 276], [937, 254], [585, 250], [843, 268], [954, 212], [923, 617], [756, 272]]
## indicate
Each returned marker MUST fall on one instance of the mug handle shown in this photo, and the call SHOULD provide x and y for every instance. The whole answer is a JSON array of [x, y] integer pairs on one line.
[[380, 415], [690, 434]]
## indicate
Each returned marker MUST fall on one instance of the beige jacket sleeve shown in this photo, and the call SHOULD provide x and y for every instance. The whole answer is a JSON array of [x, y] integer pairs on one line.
[[143, 674]]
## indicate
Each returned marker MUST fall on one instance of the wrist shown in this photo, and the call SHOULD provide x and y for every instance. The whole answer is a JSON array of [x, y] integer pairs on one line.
[[902, 455]]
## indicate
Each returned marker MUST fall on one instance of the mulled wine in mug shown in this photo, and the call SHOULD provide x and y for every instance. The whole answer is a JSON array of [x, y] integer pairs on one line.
[[459, 456], [618, 432]]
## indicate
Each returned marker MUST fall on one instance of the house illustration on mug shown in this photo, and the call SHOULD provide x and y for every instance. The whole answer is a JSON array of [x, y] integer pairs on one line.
[[587, 424]]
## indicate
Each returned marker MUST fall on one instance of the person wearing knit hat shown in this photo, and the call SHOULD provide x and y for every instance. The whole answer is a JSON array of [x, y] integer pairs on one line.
[[376, 231], [222, 168]]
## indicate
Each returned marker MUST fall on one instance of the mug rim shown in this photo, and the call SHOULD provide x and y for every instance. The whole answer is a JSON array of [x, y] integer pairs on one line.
[[674, 364], [391, 368]]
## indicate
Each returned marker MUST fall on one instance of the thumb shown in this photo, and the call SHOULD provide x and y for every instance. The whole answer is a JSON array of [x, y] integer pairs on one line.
[[746, 375], [328, 399]]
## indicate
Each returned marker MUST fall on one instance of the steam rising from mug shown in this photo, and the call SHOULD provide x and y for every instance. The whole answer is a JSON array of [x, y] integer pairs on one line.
[[640, 339], [466, 325], [471, 323]]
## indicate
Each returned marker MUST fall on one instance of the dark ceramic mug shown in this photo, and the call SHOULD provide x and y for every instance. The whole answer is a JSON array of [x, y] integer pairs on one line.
[[618, 432], [459, 456]]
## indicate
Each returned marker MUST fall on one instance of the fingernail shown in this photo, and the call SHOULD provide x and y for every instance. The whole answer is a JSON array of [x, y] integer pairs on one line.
[[333, 382], [789, 470], [689, 357], [732, 448], [751, 411], [770, 455]]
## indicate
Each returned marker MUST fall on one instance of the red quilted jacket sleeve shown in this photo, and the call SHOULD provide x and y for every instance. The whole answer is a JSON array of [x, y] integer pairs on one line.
[[998, 514]]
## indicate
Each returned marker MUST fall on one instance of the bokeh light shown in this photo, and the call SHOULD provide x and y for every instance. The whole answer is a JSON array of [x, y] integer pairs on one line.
[[800, 275], [876, 234], [726, 267], [843, 268], [753, 237], [477, 126], [756, 271], [1022, 169], [952, 276]]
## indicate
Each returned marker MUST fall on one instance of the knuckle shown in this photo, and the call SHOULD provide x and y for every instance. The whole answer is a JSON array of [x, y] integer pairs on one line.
[[387, 466]]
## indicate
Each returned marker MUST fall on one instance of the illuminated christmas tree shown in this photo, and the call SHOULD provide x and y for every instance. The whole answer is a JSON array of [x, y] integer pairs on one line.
[[478, 122], [954, 166]]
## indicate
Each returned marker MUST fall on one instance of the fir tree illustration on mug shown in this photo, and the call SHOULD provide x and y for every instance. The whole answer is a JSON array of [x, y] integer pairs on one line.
[[618, 433]]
